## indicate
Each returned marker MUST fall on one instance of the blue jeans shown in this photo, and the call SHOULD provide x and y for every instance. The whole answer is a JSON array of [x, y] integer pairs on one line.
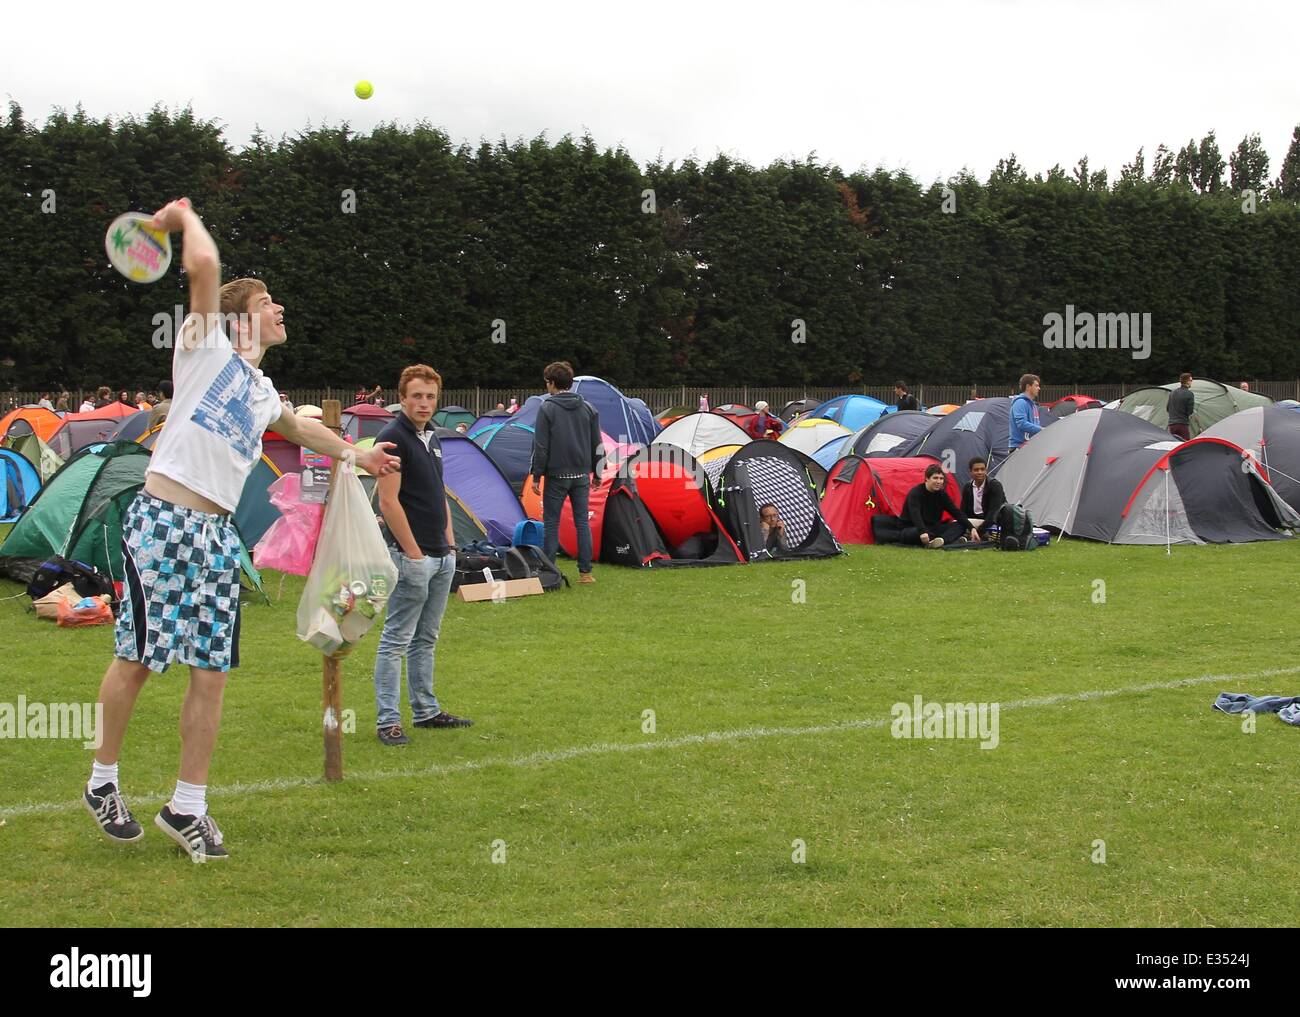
[[576, 490], [411, 631]]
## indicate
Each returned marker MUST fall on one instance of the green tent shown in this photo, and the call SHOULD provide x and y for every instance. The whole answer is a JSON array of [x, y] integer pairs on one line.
[[1214, 401], [452, 417], [46, 460], [78, 515]]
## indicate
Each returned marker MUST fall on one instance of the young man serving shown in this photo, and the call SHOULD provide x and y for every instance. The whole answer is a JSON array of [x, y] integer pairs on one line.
[[180, 600]]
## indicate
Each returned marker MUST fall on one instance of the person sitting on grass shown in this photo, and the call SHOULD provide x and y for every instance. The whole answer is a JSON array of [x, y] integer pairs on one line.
[[921, 520], [982, 497]]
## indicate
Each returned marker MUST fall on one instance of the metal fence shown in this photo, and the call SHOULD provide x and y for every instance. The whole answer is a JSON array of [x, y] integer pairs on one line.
[[482, 400]]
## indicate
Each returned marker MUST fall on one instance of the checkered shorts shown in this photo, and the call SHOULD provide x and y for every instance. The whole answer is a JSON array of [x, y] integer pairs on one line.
[[181, 595]]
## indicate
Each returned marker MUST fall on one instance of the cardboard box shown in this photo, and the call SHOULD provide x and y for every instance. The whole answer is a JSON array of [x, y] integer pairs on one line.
[[475, 592]]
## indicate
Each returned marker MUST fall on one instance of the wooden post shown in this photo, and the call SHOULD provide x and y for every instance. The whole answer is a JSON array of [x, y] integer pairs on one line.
[[332, 698]]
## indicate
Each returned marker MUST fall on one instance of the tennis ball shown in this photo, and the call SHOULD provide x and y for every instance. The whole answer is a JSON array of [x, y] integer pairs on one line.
[[364, 89]]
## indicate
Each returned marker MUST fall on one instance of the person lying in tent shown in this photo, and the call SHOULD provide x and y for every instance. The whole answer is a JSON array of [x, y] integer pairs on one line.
[[773, 528], [921, 521]]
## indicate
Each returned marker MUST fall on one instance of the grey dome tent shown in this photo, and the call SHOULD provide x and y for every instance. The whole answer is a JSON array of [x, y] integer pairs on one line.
[[1272, 434], [982, 427], [889, 434], [1109, 476]]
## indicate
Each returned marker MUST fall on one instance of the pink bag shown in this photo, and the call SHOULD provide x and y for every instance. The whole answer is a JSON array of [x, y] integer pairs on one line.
[[290, 544]]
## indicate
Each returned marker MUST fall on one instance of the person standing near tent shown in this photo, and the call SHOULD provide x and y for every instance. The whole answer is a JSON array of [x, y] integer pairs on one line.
[[981, 497], [566, 451], [103, 397], [1024, 412], [64, 401], [704, 403], [180, 548], [44, 402], [764, 424], [1180, 407], [420, 539], [904, 399]]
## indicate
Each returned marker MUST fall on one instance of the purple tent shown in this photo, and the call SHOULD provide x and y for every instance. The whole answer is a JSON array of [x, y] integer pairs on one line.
[[480, 485]]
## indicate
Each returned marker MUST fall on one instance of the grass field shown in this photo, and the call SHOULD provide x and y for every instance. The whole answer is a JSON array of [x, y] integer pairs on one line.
[[772, 725]]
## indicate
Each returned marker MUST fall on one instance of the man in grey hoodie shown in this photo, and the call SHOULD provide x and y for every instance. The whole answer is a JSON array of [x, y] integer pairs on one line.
[[566, 451]]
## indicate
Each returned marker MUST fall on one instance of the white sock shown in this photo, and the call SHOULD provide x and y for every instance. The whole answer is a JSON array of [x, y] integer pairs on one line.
[[101, 774], [190, 799]]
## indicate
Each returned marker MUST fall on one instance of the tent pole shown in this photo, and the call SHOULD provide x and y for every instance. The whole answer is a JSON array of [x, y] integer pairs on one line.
[[1169, 548]]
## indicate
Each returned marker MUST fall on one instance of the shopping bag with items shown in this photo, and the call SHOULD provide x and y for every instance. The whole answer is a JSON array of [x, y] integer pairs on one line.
[[87, 611], [290, 542], [352, 574]]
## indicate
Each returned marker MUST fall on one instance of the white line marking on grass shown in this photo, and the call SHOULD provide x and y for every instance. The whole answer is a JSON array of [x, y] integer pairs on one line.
[[611, 748]]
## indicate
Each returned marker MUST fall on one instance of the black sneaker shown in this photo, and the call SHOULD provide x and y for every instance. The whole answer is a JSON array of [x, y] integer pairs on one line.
[[394, 735], [445, 719], [112, 815], [198, 835]]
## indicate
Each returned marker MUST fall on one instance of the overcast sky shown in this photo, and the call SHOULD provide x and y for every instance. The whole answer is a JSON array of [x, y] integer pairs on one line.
[[928, 87]]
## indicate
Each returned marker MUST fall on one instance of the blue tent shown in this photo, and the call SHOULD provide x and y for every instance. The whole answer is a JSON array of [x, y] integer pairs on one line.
[[830, 453], [509, 442], [19, 483], [480, 485], [628, 421], [852, 411]]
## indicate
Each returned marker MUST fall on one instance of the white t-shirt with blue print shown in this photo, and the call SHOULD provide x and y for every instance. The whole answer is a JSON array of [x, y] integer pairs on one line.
[[221, 407]]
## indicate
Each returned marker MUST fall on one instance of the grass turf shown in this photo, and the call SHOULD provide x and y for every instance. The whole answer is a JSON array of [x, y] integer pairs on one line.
[[1197, 816]]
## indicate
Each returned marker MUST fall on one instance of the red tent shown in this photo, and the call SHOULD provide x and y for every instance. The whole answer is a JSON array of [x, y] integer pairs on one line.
[[77, 430], [655, 503], [1072, 403], [859, 489], [363, 421]]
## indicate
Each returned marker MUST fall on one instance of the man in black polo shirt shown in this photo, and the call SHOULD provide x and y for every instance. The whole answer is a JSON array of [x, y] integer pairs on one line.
[[418, 525]]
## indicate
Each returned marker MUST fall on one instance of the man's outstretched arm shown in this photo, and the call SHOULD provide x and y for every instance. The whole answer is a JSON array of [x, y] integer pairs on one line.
[[201, 261]]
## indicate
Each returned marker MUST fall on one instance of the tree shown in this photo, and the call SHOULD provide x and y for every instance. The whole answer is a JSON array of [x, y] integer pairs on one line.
[[1209, 166], [1249, 165], [1288, 182], [1162, 167]]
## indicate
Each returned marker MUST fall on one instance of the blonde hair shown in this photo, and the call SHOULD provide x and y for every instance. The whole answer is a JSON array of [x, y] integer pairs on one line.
[[236, 294]]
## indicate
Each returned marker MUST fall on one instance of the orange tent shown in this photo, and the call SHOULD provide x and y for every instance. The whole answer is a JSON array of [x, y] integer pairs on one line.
[[43, 422]]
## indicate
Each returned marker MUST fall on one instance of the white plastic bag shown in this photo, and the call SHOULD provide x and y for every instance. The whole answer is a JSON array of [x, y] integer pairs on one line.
[[351, 575]]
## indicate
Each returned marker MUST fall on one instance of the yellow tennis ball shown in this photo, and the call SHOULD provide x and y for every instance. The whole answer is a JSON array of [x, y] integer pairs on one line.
[[364, 89]]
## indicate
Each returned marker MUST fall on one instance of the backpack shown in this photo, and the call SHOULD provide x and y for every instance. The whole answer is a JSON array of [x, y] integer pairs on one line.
[[1017, 528], [87, 581], [524, 562]]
